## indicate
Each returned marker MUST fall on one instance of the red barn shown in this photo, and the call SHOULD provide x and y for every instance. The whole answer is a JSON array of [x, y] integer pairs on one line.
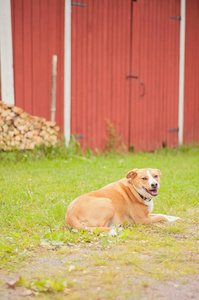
[[133, 63]]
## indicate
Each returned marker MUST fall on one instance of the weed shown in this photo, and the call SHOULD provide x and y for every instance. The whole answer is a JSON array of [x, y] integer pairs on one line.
[[41, 285], [112, 138], [113, 143]]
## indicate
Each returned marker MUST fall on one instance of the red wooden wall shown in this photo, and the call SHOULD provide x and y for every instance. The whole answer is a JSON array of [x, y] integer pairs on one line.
[[191, 89], [100, 63], [111, 39], [38, 33]]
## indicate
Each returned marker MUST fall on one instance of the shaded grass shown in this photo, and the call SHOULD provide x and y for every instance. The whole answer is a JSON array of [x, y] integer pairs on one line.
[[35, 193]]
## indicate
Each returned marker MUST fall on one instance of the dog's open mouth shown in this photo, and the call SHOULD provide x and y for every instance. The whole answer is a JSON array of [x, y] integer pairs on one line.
[[153, 192]]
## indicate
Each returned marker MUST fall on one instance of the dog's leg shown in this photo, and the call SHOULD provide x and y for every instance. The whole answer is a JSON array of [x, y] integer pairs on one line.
[[115, 228], [169, 218], [152, 218], [112, 228]]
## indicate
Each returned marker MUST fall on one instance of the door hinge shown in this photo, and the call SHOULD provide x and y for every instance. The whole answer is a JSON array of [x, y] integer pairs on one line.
[[173, 129], [175, 17], [78, 4]]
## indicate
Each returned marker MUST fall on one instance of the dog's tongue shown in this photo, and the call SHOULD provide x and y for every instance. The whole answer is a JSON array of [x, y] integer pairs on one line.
[[153, 192]]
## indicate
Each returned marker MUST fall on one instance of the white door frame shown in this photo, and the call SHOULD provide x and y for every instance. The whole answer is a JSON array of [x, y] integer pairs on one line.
[[67, 72], [6, 53], [181, 72]]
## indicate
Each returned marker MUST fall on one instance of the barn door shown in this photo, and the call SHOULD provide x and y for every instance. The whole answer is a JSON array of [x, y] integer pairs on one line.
[[100, 61], [154, 74]]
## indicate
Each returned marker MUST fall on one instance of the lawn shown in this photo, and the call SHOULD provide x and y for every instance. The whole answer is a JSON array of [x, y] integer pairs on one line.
[[41, 257]]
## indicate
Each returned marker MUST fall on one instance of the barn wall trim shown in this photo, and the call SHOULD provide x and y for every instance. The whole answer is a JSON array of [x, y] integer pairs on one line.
[[181, 72], [6, 55], [67, 71]]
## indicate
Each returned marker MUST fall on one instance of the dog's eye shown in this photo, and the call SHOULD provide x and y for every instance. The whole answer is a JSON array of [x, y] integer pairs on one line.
[[156, 176], [144, 178]]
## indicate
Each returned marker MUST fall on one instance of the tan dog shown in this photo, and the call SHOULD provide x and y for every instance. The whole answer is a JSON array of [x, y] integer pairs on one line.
[[129, 199]]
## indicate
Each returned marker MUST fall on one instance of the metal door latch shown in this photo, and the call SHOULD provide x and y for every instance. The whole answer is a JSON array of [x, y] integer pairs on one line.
[[78, 4], [175, 18], [132, 76], [173, 129]]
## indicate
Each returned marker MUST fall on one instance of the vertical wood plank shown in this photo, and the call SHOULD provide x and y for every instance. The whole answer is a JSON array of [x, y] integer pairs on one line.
[[90, 99], [36, 58], [46, 60], [191, 89], [27, 56], [83, 73], [73, 69]]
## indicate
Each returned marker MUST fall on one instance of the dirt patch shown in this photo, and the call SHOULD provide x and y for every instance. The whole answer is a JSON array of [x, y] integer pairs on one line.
[[183, 288], [97, 278]]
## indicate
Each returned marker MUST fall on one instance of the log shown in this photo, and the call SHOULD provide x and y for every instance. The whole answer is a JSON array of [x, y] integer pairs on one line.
[[18, 129]]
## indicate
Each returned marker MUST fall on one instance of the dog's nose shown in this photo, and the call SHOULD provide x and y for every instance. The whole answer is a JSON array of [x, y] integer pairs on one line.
[[154, 185]]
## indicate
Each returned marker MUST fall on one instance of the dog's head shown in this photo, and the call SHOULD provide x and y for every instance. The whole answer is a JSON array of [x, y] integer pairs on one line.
[[145, 181]]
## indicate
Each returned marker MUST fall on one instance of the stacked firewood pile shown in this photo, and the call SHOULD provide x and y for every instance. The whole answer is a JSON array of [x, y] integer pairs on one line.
[[20, 130]]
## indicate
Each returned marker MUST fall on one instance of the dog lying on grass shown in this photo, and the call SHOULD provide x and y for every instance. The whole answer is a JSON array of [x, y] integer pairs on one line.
[[127, 200]]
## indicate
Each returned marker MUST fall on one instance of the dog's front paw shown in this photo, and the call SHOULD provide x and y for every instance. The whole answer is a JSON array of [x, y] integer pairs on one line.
[[112, 232], [169, 218], [172, 218]]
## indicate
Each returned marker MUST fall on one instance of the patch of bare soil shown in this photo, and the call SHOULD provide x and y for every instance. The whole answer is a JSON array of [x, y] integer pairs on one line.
[[88, 280], [183, 288]]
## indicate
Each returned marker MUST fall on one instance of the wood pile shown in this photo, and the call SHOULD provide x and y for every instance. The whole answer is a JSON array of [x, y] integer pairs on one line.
[[20, 130]]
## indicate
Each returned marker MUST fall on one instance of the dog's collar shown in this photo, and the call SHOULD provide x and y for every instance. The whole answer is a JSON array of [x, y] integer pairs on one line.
[[143, 198]]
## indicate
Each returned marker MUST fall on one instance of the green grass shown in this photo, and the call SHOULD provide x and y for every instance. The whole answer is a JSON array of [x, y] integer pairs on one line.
[[36, 188]]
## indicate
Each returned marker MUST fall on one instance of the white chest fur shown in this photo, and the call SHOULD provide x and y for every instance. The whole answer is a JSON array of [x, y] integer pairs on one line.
[[149, 204]]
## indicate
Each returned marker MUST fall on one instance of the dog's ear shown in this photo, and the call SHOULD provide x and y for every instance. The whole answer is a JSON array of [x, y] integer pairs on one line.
[[131, 174], [158, 171]]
